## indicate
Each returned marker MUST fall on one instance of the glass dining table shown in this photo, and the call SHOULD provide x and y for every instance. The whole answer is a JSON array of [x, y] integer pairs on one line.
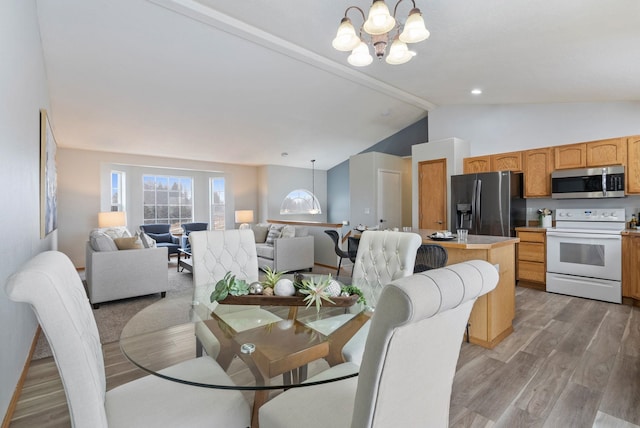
[[262, 342]]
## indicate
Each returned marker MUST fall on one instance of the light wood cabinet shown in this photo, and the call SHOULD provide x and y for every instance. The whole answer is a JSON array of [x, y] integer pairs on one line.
[[507, 162], [476, 164], [537, 167], [630, 263], [532, 257], [607, 152], [632, 172], [570, 156]]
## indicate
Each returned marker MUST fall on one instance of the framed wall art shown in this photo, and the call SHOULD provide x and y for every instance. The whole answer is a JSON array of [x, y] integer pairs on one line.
[[48, 178]]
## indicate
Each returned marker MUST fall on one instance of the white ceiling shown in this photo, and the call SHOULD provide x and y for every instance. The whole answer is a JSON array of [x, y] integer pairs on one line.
[[243, 81]]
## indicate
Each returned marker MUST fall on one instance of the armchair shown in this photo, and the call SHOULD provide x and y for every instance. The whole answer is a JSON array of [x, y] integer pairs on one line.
[[187, 228], [409, 359], [160, 232]]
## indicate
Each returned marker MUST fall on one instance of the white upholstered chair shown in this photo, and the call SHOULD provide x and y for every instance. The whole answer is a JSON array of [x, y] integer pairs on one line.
[[214, 253], [383, 256], [409, 361], [50, 283]]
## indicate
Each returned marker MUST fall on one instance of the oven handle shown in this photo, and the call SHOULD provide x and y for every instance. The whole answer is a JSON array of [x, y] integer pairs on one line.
[[584, 235]]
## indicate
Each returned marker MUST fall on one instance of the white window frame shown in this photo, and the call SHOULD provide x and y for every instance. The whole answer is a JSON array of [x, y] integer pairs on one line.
[[117, 190], [183, 204]]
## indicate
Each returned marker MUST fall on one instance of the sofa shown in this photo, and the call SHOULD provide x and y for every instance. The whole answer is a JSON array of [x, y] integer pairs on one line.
[[283, 248], [119, 266]]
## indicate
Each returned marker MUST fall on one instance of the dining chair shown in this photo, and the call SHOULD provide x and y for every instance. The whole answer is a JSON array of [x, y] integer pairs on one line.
[[214, 253], [409, 361], [51, 285], [382, 257], [430, 256], [336, 247]]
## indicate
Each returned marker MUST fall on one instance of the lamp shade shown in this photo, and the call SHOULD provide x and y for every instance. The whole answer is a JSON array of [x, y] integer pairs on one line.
[[112, 219], [414, 29], [244, 216], [380, 20], [346, 37]]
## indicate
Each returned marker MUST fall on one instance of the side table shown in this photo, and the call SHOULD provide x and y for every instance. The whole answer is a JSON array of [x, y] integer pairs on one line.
[[184, 260]]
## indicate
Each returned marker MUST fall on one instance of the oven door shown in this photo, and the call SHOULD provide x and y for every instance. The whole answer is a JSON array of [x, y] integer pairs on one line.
[[592, 255]]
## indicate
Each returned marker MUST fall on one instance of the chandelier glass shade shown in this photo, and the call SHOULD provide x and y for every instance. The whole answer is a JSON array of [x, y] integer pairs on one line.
[[380, 27]]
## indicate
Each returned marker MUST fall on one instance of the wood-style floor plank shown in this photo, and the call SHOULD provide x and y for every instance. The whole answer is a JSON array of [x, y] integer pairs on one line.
[[570, 362]]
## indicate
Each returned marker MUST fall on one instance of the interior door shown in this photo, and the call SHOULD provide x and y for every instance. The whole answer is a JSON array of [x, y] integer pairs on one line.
[[389, 199], [432, 194]]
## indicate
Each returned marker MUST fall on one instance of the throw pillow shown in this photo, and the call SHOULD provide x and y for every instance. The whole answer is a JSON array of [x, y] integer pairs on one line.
[[100, 241], [288, 232], [116, 232], [131, 243], [147, 241], [161, 237], [274, 233], [260, 232]]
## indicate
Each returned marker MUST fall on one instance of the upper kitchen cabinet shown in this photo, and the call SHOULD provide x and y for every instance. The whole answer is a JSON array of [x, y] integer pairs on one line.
[[570, 156], [507, 162], [538, 166], [607, 152], [632, 172], [477, 164]]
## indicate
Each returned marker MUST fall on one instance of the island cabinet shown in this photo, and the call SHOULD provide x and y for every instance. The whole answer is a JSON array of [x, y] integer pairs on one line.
[[532, 257], [632, 172], [630, 263], [476, 164], [492, 316], [537, 167]]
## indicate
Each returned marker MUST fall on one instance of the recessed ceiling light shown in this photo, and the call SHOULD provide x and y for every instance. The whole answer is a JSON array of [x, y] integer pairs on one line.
[[476, 91], [284, 154]]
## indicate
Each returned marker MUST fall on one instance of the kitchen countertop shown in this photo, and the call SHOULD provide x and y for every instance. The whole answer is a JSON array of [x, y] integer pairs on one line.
[[474, 242], [531, 228]]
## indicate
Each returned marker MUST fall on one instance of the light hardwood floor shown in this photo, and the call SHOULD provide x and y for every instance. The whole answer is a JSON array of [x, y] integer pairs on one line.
[[570, 362]]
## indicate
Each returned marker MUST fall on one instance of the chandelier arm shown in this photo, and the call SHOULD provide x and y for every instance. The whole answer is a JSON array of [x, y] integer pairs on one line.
[[364, 18], [395, 9]]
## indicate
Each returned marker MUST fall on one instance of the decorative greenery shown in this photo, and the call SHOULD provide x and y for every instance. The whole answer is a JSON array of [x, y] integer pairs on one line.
[[271, 277], [229, 285], [351, 290], [316, 291]]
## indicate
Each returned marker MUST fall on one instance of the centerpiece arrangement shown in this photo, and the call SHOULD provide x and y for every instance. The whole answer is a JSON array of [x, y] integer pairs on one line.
[[276, 290]]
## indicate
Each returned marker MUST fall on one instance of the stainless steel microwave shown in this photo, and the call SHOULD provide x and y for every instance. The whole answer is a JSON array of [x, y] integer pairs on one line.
[[601, 182]]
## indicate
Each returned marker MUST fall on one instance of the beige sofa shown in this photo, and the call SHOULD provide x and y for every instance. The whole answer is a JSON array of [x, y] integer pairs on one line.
[[114, 274], [283, 248]]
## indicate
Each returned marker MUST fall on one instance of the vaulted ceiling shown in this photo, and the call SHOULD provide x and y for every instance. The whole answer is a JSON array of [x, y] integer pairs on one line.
[[244, 81]]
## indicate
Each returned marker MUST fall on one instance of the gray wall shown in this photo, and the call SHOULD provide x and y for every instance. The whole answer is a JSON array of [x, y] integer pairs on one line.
[[24, 92], [398, 144]]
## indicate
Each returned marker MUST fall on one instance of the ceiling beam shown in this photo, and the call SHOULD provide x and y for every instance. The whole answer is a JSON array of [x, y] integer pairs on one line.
[[197, 11]]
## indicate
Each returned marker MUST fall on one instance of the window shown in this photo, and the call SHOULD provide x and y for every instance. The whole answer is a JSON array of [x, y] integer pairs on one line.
[[117, 191], [167, 200], [216, 213]]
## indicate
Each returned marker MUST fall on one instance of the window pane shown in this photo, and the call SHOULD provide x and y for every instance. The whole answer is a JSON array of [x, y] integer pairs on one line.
[[166, 200]]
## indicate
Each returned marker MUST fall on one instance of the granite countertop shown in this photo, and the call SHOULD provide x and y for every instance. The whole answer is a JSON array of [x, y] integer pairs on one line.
[[473, 242]]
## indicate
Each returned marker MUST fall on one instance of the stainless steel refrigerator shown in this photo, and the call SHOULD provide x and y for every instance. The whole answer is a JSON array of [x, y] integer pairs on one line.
[[488, 203]]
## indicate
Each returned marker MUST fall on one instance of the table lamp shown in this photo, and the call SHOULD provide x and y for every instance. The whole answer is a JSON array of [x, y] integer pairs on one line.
[[112, 219], [244, 217]]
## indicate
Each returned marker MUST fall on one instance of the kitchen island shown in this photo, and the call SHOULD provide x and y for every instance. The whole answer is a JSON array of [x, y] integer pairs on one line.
[[492, 315]]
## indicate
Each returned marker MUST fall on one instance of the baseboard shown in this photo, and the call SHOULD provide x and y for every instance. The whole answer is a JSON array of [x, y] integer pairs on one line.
[[16, 393]]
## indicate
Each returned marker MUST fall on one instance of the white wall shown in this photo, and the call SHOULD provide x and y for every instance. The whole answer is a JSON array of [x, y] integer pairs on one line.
[[80, 181], [278, 181], [24, 92], [505, 128]]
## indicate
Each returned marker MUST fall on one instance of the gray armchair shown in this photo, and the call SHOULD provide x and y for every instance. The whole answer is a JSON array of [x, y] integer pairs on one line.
[[160, 232]]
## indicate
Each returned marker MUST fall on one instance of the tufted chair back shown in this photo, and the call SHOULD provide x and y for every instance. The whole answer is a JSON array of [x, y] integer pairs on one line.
[[216, 252], [51, 285], [382, 257]]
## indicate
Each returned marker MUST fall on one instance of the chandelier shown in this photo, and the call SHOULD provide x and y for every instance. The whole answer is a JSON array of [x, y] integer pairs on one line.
[[381, 27]]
